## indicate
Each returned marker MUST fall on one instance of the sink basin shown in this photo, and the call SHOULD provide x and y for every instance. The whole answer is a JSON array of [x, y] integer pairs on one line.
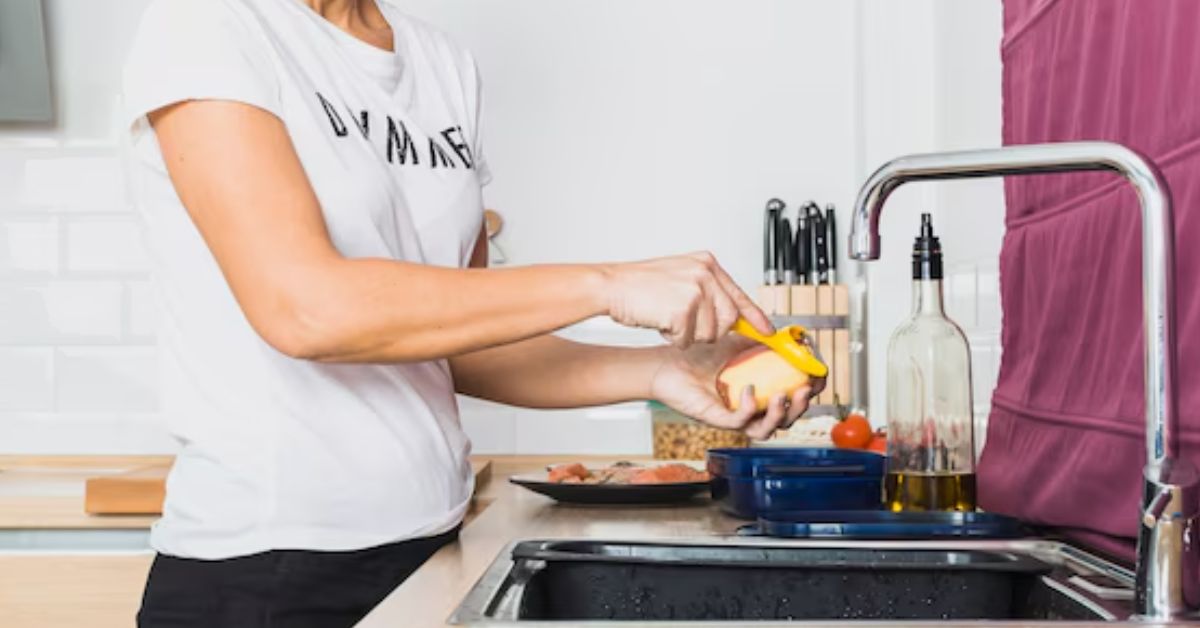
[[738, 580]]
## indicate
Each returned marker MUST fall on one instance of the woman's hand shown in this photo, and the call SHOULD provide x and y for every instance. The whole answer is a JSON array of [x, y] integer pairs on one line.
[[686, 381], [688, 298]]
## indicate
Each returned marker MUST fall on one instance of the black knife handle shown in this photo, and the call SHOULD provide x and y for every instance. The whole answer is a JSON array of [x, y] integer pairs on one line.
[[803, 259], [771, 240], [819, 266], [831, 235], [822, 246]]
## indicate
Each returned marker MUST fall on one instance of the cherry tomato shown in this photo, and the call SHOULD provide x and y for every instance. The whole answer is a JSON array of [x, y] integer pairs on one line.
[[852, 432], [878, 443]]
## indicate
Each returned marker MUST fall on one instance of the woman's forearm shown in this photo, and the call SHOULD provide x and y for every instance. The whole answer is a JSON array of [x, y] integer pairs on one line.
[[374, 310], [550, 372]]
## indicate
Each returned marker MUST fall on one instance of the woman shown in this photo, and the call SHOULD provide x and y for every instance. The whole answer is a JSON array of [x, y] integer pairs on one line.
[[310, 173]]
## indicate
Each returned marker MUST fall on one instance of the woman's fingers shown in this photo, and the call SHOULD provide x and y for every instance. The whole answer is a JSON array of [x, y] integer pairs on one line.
[[718, 415], [684, 329], [687, 298], [781, 412], [707, 321], [726, 312], [742, 302], [763, 427], [798, 405]]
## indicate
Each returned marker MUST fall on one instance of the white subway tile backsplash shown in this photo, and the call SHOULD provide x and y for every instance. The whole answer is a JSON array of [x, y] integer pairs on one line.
[[989, 297], [28, 246], [142, 310], [961, 296], [106, 245], [11, 171], [983, 376], [26, 379], [107, 379], [74, 183], [55, 311], [90, 433], [574, 432]]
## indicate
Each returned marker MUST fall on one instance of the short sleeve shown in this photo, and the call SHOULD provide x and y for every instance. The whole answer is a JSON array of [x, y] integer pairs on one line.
[[197, 50], [481, 165]]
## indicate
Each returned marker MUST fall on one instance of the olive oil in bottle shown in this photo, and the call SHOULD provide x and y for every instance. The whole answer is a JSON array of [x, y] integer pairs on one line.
[[920, 491], [931, 441]]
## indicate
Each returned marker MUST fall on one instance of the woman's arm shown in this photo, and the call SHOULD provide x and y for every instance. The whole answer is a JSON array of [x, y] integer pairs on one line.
[[238, 175], [551, 372]]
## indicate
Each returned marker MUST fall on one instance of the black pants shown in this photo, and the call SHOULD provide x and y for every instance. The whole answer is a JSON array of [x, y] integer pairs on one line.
[[279, 589]]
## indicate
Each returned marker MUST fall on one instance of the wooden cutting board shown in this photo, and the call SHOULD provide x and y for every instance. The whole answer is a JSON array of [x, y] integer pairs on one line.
[[141, 491], [138, 491]]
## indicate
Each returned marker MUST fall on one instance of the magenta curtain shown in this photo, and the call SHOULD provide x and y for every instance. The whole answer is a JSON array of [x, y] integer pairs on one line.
[[1065, 438]]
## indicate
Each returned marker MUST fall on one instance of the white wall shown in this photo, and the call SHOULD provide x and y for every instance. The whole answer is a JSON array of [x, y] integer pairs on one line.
[[626, 129], [616, 129], [77, 354], [968, 105], [930, 81]]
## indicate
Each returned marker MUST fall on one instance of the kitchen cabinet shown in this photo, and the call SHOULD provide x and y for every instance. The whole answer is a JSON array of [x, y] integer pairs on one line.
[[61, 591]]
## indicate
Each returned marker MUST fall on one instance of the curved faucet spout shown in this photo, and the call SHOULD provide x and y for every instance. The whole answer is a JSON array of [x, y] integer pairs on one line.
[[1168, 480], [1158, 256]]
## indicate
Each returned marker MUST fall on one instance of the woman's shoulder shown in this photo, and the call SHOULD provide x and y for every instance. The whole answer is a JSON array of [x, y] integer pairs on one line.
[[184, 16], [198, 26], [198, 49]]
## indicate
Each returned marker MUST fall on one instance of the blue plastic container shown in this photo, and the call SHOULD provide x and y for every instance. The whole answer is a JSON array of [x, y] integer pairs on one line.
[[751, 483]]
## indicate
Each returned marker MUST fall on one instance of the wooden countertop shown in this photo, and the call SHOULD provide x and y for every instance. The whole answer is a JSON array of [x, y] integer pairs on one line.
[[47, 491]]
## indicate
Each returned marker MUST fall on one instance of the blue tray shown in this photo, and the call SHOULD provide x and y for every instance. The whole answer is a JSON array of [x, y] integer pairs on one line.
[[882, 524]]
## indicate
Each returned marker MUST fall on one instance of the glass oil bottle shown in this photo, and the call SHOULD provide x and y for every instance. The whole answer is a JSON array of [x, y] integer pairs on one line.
[[931, 440]]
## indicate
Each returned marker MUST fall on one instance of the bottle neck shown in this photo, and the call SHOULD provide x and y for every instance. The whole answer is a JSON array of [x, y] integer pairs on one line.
[[927, 298]]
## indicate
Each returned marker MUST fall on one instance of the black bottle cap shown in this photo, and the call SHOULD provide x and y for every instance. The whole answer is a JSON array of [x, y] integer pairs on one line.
[[927, 252]]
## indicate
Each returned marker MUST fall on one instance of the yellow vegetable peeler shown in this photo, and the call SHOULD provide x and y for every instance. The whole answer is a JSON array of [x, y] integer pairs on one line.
[[790, 343]]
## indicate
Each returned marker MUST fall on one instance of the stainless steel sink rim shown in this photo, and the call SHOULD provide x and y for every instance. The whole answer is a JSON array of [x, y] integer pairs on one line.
[[495, 598]]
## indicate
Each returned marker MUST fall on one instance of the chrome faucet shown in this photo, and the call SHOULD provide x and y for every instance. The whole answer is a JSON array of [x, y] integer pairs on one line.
[[1167, 550]]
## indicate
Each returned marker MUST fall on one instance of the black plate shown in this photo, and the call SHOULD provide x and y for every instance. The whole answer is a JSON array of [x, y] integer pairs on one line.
[[613, 493]]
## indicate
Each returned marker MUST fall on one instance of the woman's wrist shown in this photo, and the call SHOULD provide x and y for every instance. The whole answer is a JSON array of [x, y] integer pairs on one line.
[[655, 360], [629, 372], [599, 280]]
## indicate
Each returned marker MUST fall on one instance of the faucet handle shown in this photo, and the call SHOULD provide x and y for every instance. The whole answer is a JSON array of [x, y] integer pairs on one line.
[[1173, 490], [1154, 510]]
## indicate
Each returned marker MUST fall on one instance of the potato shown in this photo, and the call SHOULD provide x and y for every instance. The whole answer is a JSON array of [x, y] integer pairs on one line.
[[762, 368]]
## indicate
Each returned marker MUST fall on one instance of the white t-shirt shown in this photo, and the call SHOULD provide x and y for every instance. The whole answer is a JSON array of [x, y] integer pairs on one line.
[[279, 453]]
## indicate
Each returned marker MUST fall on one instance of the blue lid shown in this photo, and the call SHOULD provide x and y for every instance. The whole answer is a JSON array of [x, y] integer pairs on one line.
[[881, 524], [794, 461]]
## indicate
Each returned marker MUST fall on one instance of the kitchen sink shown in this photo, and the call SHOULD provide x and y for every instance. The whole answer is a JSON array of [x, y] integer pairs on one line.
[[738, 579]]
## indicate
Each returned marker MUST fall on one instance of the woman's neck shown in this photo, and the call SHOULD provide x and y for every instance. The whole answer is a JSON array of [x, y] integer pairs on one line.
[[360, 18]]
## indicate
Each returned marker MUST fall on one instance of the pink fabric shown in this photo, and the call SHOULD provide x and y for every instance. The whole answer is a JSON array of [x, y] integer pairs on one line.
[[1065, 439]]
